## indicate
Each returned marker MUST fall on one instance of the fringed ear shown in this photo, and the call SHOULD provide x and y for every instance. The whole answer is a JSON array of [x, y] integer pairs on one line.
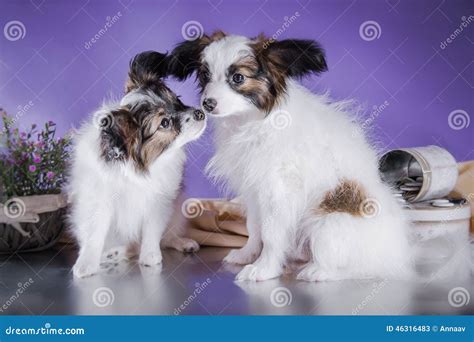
[[297, 57], [146, 68], [185, 59], [114, 124]]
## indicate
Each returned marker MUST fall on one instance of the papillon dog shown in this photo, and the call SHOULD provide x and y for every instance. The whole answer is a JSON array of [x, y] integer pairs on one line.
[[127, 171], [307, 174]]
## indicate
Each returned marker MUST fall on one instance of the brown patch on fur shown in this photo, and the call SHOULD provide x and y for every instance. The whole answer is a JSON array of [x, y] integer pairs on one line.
[[346, 197], [273, 85], [159, 140], [264, 80]]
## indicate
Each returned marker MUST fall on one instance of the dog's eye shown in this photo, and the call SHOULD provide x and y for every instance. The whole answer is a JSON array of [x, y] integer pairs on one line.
[[238, 78], [165, 123], [206, 76]]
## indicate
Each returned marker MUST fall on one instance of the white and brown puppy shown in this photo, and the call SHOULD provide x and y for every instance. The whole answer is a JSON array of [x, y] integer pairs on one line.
[[127, 170], [308, 176]]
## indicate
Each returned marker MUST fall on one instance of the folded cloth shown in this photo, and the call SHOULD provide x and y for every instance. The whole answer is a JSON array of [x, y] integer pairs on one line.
[[222, 223], [217, 223]]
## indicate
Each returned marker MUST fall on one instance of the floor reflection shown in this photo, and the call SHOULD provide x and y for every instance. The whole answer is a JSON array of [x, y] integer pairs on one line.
[[201, 285]]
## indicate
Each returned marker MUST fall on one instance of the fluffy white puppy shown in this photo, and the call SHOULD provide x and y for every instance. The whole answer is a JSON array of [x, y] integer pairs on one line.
[[127, 170], [305, 171]]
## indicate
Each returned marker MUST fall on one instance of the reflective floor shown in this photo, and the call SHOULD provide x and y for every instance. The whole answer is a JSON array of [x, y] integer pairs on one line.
[[42, 284]]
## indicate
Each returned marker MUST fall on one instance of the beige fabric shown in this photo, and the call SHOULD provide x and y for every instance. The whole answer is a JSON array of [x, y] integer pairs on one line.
[[219, 223], [465, 186]]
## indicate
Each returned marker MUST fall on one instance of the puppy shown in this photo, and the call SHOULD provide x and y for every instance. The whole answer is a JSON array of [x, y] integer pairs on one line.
[[127, 169], [308, 176]]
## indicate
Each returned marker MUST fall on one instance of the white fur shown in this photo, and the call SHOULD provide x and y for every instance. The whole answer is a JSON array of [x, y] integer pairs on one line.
[[282, 171], [115, 207]]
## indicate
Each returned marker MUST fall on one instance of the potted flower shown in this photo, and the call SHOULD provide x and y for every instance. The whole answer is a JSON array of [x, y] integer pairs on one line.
[[32, 171]]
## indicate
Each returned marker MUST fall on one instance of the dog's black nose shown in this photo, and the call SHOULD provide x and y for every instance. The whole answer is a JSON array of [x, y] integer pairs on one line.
[[209, 104], [198, 115]]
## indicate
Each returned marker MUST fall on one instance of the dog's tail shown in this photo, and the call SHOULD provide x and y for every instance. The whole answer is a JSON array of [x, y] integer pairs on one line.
[[372, 243]]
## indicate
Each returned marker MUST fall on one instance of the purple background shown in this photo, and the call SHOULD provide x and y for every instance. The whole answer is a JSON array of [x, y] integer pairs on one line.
[[405, 66]]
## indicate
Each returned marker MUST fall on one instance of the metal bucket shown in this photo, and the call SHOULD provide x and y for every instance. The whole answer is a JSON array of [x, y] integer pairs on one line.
[[434, 164]]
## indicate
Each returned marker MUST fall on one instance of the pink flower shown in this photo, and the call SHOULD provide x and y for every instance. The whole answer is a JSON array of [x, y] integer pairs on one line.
[[32, 168], [50, 174], [36, 159]]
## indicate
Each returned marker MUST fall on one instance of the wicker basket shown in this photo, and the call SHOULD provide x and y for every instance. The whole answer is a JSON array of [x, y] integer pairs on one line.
[[31, 223]]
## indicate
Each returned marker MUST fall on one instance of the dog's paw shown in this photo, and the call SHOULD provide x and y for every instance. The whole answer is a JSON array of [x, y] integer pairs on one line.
[[240, 257], [115, 254], [150, 258], [188, 246], [82, 270], [257, 273], [315, 273]]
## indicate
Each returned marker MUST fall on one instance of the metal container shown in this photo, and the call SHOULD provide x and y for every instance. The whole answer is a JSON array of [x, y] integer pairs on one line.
[[434, 164]]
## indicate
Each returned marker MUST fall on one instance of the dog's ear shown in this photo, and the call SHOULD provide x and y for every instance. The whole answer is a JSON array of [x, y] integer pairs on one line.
[[185, 58], [146, 68], [297, 57]]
